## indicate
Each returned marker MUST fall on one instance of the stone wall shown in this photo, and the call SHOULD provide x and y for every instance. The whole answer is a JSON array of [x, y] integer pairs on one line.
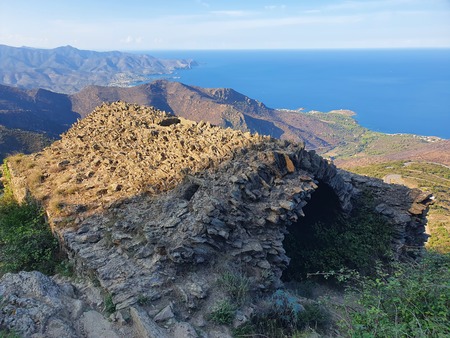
[[405, 209]]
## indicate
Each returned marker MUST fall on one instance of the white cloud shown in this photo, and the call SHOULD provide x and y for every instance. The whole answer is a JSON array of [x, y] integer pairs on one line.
[[374, 5], [368, 23], [131, 40], [128, 39], [295, 21], [20, 40]]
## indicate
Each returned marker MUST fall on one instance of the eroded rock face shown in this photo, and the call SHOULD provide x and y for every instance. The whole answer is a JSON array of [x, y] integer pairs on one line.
[[51, 305], [403, 208], [35, 305], [38, 306], [157, 207]]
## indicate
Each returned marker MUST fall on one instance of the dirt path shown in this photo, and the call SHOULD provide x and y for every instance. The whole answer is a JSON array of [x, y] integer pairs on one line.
[[394, 179]]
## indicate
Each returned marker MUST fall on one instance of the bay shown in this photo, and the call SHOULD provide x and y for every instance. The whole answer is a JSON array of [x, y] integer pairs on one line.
[[390, 90]]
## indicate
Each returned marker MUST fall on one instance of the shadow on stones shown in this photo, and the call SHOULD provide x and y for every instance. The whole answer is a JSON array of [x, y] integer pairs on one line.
[[190, 191]]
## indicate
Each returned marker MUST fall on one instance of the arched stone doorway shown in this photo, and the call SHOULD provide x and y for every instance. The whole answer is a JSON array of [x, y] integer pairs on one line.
[[304, 237]]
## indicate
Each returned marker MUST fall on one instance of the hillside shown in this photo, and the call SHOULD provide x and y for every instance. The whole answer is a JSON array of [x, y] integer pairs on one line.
[[15, 140], [219, 106], [123, 149], [68, 69], [358, 145], [177, 221], [39, 111], [335, 134], [431, 177]]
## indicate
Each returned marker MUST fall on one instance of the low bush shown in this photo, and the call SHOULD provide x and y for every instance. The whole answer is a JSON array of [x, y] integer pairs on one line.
[[223, 313], [143, 300], [411, 301], [330, 242], [109, 306], [286, 315], [236, 285], [26, 242], [8, 334], [65, 268]]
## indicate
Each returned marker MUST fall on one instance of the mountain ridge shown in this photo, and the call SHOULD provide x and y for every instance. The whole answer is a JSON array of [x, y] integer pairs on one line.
[[335, 134], [67, 69]]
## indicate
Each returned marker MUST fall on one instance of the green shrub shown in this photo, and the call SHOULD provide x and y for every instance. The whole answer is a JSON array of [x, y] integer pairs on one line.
[[7, 195], [286, 316], [413, 301], [8, 334], [26, 242], [143, 300], [286, 308], [65, 268], [223, 313], [110, 307], [245, 330], [236, 285]]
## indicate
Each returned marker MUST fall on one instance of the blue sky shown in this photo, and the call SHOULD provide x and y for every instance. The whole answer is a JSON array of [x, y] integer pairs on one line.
[[226, 24]]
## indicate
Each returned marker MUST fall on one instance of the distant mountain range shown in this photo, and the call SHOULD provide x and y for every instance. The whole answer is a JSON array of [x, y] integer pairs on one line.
[[335, 134], [68, 69]]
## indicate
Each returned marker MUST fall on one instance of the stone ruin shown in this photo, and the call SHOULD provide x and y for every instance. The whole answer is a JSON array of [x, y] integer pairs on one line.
[[155, 207]]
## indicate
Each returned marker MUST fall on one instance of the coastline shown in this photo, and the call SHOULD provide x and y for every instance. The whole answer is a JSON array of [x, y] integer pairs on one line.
[[390, 89]]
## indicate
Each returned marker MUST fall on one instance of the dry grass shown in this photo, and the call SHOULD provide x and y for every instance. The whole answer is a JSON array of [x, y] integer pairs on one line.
[[35, 178], [56, 206]]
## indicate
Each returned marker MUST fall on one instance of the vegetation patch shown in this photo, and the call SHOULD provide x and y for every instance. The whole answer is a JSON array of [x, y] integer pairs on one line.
[[65, 268], [284, 314], [26, 242], [223, 313], [8, 334], [236, 285], [413, 300], [351, 140], [110, 307], [143, 300]]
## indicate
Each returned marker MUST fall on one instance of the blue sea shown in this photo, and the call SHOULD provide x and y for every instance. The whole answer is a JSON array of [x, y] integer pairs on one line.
[[392, 91]]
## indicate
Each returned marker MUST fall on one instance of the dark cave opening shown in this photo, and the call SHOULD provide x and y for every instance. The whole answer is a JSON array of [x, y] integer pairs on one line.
[[312, 235], [327, 239]]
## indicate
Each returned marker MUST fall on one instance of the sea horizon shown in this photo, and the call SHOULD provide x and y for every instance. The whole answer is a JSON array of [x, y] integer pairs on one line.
[[404, 90]]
